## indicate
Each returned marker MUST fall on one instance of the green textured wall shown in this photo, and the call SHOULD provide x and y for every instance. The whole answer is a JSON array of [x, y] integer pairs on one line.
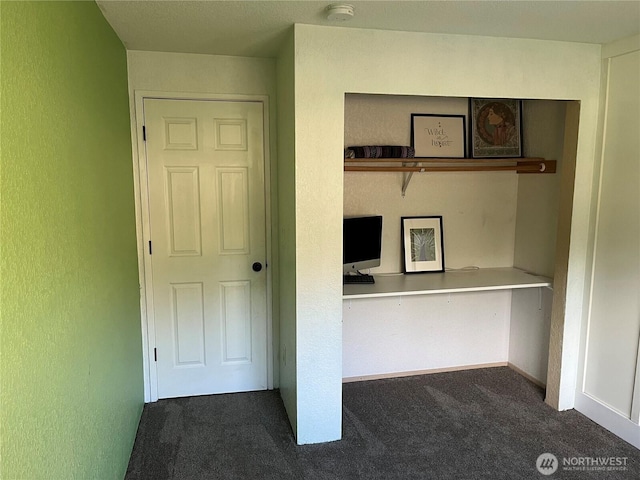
[[72, 388]]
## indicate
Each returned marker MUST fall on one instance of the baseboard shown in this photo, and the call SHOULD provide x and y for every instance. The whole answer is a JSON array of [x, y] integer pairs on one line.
[[381, 376], [610, 419], [527, 376]]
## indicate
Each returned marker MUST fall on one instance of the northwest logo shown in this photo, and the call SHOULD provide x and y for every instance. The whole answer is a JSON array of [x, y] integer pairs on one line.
[[547, 463]]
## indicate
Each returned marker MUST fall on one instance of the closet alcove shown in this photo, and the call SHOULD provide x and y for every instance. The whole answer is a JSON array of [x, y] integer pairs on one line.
[[497, 220]]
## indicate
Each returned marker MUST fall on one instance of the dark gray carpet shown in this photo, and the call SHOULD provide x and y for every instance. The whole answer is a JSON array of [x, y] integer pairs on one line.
[[475, 424]]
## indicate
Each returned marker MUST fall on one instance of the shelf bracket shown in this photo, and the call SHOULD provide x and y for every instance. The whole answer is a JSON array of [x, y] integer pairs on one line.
[[405, 183], [408, 175], [540, 298]]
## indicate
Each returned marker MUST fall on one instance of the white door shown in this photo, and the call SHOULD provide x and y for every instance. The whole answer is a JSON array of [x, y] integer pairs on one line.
[[205, 163], [610, 389]]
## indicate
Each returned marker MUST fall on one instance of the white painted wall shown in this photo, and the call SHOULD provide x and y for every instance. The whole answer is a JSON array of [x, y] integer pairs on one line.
[[535, 237], [204, 75], [563, 336], [330, 62], [538, 195], [287, 229], [529, 331], [609, 392], [187, 72], [424, 332]]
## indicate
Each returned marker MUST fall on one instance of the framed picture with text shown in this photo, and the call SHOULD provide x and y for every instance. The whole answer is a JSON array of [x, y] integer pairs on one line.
[[496, 127], [422, 244], [438, 136]]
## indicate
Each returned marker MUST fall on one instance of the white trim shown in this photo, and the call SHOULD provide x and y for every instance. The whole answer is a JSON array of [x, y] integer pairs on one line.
[[141, 188], [141, 204], [382, 376], [608, 418], [526, 375], [635, 397], [583, 366], [266, 127]]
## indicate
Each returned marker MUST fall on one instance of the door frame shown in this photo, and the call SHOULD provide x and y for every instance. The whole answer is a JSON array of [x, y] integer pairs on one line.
[[141, 192]]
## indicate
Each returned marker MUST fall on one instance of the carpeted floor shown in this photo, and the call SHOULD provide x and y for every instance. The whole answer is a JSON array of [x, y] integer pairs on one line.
[[476, 424]]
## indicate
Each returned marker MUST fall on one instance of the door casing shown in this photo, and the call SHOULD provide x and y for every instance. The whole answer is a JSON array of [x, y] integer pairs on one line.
[[141, 190]]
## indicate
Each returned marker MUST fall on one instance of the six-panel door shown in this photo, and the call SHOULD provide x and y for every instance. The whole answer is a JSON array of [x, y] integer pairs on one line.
[[205, 163]]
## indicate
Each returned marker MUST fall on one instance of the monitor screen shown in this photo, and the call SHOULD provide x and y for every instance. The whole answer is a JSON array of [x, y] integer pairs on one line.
[[361, 243]]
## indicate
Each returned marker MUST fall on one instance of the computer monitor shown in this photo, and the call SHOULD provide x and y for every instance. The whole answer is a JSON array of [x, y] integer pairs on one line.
[[361, 243]]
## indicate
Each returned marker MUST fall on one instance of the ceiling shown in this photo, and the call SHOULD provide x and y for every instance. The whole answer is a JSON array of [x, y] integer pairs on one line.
[[257, 28]]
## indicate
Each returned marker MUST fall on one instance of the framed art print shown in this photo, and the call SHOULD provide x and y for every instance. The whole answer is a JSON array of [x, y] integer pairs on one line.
[[496, 128], [438, 136], [422, 244]]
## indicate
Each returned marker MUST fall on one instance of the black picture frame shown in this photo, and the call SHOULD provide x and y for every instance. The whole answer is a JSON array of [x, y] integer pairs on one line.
[[422, 241]]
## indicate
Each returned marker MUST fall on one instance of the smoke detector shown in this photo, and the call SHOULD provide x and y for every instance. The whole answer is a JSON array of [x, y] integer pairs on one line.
[[339, 12]]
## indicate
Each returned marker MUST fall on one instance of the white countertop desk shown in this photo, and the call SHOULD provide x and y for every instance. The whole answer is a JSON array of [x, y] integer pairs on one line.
[[448, 282]]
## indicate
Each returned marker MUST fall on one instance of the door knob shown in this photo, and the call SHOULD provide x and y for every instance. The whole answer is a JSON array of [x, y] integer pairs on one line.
[[257, 266]]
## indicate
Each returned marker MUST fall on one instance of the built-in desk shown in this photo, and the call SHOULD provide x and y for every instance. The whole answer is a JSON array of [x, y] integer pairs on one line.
[[447, 282], [422, 323]]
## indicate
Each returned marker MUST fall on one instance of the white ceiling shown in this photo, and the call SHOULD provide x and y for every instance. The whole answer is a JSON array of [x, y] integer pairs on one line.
[[256, 28]]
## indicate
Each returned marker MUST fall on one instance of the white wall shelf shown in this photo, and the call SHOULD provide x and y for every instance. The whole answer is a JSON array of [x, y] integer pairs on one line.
[[448, 282]]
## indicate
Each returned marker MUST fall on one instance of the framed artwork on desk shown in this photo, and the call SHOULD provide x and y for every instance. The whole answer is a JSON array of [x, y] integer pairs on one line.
[[422, 244]]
